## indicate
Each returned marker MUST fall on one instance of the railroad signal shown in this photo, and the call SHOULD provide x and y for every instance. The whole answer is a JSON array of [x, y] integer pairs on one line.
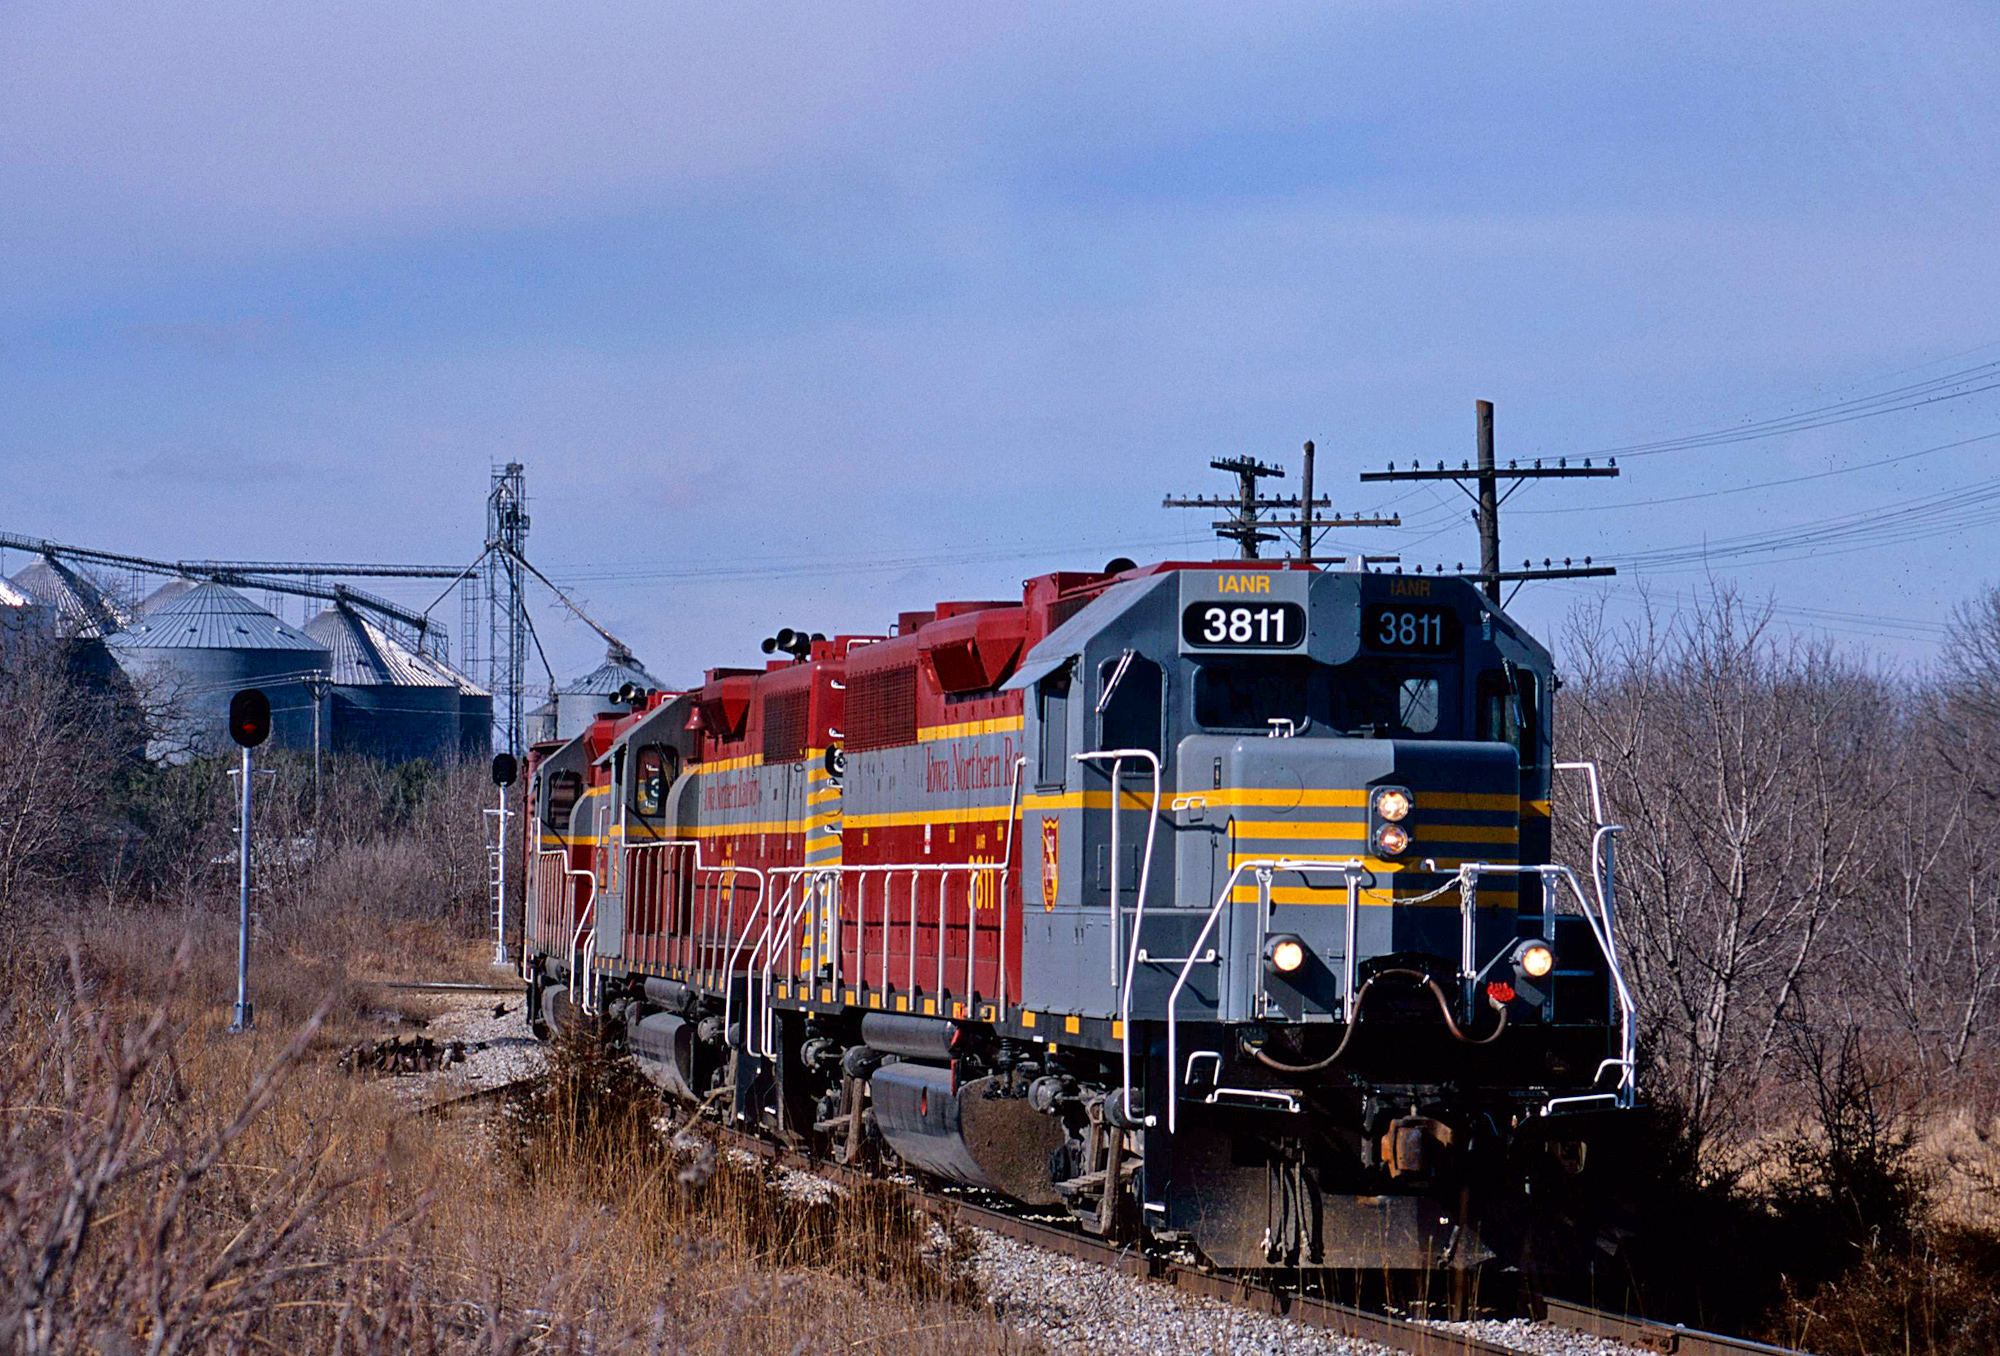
[[250, 717], [504, 769], [249, 725]]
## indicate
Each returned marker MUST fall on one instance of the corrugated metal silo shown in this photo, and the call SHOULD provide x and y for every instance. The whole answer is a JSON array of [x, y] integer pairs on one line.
[[580, 702], [164, 594], [540, 725], [198, 650], [21, 616], [386, 701], [83, 610], [475, 712]]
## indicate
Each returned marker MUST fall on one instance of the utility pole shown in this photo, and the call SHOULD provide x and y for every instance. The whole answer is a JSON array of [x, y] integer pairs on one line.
[[1487, 475], [1246, 525], [1310, 524], [317, 686]]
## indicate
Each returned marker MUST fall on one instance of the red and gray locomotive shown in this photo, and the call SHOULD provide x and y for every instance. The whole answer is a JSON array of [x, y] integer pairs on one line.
[[1211, 902]]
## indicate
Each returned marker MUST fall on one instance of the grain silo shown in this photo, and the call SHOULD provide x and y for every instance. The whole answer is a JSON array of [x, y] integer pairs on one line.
[[580, 702], [82, 609], [193, 653], [22, 616], [384, 700], [475, 712], [540, 724], [164, 594]]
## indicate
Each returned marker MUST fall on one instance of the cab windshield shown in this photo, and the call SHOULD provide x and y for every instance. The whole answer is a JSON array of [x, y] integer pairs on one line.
[[1364, 700]]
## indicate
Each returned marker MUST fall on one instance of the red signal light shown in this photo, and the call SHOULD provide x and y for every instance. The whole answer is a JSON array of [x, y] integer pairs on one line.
[[249, 717], [1500, 991]]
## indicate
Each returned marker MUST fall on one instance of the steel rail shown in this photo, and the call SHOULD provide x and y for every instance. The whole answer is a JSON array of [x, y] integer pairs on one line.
[[1646, 1333]]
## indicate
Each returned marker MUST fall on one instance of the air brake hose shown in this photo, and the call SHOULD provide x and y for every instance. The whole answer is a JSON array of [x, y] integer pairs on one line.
[[1361, 995]]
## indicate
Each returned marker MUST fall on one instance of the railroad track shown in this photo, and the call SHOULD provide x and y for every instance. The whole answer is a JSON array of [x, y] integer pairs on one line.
[[1413, 1336], [1671, 1338]]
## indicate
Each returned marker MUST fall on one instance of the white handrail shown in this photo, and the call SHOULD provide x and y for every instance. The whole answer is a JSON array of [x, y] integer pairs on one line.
[[1118, 757], [1600, 930], [1351, 869], [578, 984]]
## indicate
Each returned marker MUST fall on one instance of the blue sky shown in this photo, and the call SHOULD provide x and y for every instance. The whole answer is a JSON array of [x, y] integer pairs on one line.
[[801, 314]]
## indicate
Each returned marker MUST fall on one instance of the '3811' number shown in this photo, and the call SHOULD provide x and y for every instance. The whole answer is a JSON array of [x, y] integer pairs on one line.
[[1248, 626], [1427, 630]]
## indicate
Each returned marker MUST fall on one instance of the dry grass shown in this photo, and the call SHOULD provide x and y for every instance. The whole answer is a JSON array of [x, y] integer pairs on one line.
[[168, 1187]]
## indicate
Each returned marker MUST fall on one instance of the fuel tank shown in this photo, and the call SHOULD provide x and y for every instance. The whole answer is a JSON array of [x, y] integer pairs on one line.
[[973, 1135]]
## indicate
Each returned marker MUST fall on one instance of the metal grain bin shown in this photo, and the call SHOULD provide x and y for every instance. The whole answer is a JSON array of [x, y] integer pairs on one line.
[[22, 617], [385, 700], [164, 594], [83, 610], [193, 653], [580, 702]]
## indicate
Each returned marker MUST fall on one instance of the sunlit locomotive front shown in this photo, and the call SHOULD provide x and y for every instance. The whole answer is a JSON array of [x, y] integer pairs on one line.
[[1212, 902]]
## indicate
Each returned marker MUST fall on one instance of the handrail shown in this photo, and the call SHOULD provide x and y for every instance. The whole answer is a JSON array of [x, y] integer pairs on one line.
[[1118, 757], [578, 984], [1351, 869], [802, 885], [1599, 924]]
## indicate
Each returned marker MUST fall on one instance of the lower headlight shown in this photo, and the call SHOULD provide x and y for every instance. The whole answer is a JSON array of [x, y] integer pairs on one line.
[[1392, 839], [1285, 954], [1536, 959]]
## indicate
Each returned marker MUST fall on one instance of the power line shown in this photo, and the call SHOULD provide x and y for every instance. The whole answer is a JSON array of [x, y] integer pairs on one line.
[[1896, 400], [1889, 524], [1768, 484]]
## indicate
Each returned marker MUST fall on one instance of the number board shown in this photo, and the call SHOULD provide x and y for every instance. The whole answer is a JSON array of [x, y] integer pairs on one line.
[[1243, 626], [1410, 630], [1254, 609]]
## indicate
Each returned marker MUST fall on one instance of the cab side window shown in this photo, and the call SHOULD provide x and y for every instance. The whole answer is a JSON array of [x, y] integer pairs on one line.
[[655, 770], [1510, 710], [1132, 704], [1052, 705], [565, 789]]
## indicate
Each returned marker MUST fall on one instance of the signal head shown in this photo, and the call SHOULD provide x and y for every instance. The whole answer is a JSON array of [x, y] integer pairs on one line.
[[250, 717]]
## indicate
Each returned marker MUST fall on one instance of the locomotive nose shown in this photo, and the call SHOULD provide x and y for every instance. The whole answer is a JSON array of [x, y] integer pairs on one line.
[[1405, 813]]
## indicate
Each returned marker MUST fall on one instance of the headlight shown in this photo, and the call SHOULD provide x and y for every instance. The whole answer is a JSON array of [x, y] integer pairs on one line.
[[1285, 954], [1392, 839], [1392, 803], [1535, 959]]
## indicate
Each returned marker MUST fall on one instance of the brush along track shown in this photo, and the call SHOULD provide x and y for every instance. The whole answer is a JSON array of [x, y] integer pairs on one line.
[[1560, 1325]]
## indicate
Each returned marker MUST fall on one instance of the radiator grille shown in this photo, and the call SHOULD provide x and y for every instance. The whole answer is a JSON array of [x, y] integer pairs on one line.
[[785, 727], [882, 708]]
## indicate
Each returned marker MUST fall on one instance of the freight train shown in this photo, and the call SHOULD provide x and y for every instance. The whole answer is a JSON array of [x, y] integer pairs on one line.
[[1210, 903]]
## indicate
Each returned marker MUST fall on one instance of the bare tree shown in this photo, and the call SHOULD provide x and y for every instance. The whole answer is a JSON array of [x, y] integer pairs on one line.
[[1741, 765], [62, 740]]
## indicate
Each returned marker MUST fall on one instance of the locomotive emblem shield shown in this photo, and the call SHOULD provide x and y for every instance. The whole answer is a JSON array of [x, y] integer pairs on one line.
[[1048, 862]]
